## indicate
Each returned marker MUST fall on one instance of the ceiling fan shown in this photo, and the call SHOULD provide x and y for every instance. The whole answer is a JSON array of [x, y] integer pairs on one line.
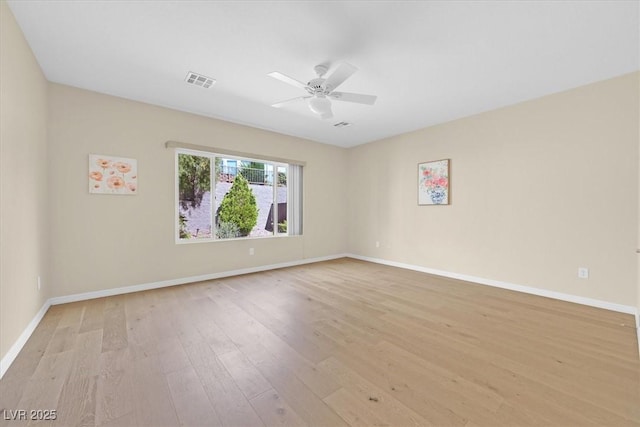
[[322, 91]]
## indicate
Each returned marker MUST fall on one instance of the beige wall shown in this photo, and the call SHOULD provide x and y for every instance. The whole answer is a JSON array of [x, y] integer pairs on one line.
[[23, 170], [103, 241], [538, 190]]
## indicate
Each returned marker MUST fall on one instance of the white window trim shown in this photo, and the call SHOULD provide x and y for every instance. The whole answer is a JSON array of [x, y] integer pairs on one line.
[[212, 156]]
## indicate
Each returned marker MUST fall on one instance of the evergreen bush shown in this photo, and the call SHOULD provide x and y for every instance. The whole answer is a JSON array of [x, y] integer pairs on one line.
[[239, 206]]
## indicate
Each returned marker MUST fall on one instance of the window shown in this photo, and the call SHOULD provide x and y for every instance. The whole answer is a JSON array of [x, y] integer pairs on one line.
[[227, 197]]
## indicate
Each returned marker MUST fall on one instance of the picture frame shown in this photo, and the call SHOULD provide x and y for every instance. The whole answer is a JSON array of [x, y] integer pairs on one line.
[[112, 175], [434, 183]]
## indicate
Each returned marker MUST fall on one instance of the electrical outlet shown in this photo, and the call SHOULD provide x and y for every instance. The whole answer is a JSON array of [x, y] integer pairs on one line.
[[583, 272], [377, 244], [251, 251], [39, 283]]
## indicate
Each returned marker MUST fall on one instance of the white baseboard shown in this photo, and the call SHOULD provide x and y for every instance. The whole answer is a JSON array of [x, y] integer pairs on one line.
[[181, 281], [15, 349], [13, 352], [505, 285]]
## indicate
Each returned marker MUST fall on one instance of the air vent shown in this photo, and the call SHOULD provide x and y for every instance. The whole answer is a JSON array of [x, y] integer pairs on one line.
[[342, 125], [199, 80]]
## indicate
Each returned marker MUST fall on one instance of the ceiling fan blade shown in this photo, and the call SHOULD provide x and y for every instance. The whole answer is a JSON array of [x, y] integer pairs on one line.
[[287, 79], [283, 103], [342, 73], [353, 97]]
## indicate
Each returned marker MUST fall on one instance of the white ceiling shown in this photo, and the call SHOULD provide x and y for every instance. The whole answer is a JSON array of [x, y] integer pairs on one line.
[[428, 62]]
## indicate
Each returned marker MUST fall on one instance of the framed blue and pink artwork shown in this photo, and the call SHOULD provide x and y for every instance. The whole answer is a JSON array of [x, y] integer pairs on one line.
[[434, 183]]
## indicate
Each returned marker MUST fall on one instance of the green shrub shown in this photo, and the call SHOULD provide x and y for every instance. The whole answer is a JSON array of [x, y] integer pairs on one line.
[[239, 206], [184, 233], [227, 230], [282, 226]]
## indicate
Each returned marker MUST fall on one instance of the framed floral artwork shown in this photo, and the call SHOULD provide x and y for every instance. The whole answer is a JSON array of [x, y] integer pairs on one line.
[[112, 175], [433, 183]]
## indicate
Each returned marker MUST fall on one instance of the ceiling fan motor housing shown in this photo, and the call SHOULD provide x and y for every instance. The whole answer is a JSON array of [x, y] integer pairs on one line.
[[317, 87]]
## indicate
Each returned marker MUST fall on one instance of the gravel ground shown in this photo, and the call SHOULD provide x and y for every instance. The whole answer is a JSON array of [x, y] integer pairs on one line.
[[199, 220]]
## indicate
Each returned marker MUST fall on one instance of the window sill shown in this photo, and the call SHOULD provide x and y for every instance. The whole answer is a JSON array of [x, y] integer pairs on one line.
[[237, 239]]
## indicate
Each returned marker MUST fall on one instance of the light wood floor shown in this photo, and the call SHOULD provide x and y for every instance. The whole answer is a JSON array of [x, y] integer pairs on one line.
[[330, 344]]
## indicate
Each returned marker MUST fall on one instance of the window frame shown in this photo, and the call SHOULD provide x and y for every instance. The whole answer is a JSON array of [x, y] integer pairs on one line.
[[211, 155]]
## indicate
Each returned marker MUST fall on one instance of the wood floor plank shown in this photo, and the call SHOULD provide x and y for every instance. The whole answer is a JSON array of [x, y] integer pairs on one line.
[[301, 398], [140, 324], [257, 339], [153, 404], [190, 400], [419, 397], [295, 334], [93, 316], [492, 370], [16, 379], [72, 315], [171, 355], [342, 342], [230, 404], [248, 378], [44, 387], [114, 333], [63, 339], [86, 360], [218, 340], [274, 411], [449, 383], [11, 390], [381, 402], [77, 405], [248, 338], [210, 331], [183, 319], [127, 420], [354, 411], [115, 394], [35, 347]]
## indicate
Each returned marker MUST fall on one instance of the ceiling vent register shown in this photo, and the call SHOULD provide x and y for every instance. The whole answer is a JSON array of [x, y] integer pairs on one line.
[[199, 80], [342, 124]]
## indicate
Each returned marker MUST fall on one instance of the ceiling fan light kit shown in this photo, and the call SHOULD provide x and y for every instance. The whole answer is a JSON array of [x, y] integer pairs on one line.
[[321, 90], [320, 104]]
